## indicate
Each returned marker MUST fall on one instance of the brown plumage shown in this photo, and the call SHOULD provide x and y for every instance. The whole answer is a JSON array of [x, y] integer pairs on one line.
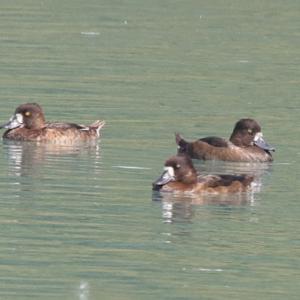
[[28, 124], [181, 176], [245, 144]]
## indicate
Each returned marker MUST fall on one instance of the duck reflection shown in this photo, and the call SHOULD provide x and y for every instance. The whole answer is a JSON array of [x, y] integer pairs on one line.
[[182, 208], [27, 158]]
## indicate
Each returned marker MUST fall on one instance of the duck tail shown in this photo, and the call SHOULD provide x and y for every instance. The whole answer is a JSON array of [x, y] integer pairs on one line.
[[182, 144], [97, 125]]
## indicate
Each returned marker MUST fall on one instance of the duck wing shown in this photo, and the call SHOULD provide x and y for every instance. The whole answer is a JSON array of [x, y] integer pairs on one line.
[[215, 141], [59, 125], [225, 180]]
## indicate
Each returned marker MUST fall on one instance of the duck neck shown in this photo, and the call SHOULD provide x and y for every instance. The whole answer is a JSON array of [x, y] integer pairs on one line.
[[37, 123], [238, 139], [190, 177]]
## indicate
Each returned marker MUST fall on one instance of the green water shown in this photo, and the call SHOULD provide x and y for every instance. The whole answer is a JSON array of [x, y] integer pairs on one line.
[[83, 223]]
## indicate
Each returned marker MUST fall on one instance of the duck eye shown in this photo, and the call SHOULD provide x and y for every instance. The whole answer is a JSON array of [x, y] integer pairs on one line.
[[27, 113], [250, 131], [178, 166]]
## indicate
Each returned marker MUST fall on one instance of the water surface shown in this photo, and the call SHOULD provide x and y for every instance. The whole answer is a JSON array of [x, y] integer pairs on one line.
[[83, 223]]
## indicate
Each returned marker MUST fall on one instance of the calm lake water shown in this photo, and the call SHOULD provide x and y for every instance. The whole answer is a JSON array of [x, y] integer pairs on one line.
[[82, 223]]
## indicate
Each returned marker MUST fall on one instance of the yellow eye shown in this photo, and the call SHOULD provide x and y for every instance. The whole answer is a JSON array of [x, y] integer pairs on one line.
[[250, 130], [27, 113]]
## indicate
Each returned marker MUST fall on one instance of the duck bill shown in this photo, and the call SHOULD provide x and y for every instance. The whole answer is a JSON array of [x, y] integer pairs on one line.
[[14, 122], [261, 143], [166, 177]]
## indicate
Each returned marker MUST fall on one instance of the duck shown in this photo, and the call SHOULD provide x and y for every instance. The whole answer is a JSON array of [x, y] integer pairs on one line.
[[246, 144], [28, 124], [181, 176]]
